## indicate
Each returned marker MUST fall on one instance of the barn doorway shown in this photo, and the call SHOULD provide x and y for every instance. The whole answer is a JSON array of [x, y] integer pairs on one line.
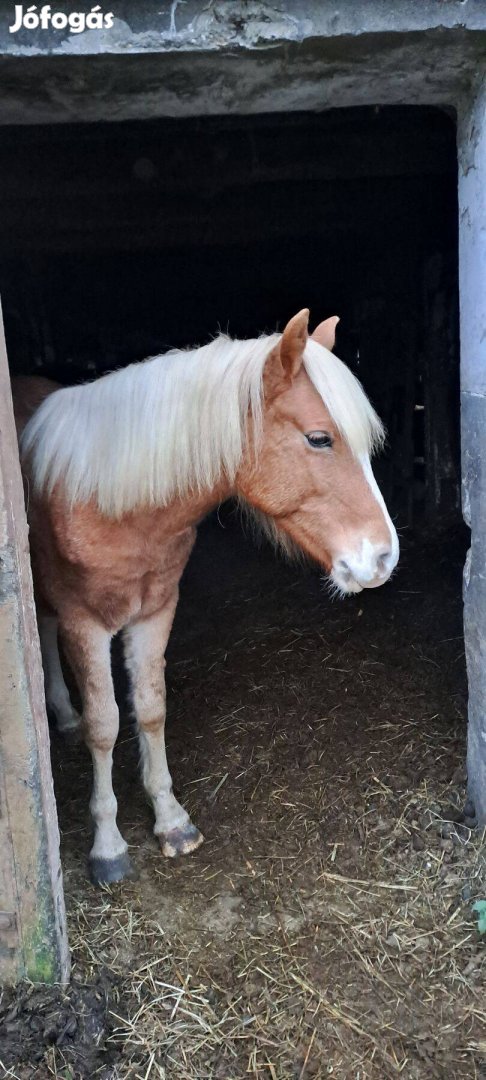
[[119, 241], [308, 739]]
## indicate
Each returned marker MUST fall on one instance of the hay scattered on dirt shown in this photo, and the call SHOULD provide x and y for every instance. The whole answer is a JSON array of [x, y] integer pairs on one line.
[[405, 934], [326, 926]]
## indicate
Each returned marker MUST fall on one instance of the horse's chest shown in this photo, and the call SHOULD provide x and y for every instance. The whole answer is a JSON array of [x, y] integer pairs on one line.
[[155, 589], [123, 571], [144, 579]]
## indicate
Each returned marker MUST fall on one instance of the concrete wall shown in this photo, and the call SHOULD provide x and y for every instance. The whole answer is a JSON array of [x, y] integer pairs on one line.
[[472, 267]]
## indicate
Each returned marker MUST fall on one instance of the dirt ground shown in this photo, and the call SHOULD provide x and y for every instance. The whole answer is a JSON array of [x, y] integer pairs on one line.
[[325, 926]]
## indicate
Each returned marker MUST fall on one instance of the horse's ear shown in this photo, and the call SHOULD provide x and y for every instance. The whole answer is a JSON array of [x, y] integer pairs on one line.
[[293, 343], [325, 333], [285, 360]]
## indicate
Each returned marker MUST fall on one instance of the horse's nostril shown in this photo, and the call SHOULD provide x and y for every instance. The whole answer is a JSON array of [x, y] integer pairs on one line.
[[342, 564], [383, 559]]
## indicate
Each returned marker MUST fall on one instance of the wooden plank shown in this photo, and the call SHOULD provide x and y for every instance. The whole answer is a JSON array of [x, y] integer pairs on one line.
[[33, 940], [441, 389]]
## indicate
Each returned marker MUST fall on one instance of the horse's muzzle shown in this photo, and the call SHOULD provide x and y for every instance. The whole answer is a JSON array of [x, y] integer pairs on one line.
[[368, 569]]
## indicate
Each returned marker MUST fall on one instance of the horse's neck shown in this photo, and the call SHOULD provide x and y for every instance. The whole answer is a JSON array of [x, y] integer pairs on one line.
[[142, 537], [150, 526], [187, 511]]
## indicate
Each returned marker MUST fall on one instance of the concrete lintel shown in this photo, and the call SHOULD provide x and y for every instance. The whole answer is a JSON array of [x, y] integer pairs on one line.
[[158, 59]]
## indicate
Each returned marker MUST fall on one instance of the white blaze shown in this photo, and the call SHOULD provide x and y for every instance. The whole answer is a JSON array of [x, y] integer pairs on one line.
[[369, 565]]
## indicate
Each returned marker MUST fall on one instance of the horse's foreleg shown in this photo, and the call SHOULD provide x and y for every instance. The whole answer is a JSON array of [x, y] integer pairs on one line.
[[57, 693], [87, 646], [145, 644]]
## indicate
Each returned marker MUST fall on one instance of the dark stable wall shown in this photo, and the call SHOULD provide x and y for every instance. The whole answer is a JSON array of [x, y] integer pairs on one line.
[[118, 241]]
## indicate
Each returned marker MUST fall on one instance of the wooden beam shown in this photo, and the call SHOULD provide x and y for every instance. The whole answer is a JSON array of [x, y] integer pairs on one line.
[[33, 940]]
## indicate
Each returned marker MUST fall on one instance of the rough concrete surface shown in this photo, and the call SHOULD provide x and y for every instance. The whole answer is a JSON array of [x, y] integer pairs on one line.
[[151, 25], [158, 59], [472, 277]]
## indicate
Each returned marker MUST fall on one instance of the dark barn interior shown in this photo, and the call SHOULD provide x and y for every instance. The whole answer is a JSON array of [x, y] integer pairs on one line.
[[120, 240], [314, 743]]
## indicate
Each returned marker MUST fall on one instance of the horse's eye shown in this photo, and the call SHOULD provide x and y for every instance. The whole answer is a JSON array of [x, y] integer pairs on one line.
[[319, 440]]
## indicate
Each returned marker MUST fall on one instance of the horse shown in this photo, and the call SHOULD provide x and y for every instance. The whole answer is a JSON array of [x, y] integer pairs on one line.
[[120, 471]]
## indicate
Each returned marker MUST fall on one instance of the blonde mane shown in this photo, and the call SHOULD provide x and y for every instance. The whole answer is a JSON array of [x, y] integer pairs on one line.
[[178, 422]]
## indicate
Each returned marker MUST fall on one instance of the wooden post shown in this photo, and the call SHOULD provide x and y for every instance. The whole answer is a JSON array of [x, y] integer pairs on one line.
[[441, 389], [472, 282], [33, 940]]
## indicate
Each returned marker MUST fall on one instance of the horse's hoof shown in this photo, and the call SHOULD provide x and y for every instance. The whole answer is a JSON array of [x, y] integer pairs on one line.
[[180, 841], [470, 818], [107, 871], [68, 727]]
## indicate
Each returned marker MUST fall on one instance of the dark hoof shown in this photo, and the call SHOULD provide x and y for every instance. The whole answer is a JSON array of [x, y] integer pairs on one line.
[[470, 819], [70, 733], [72, 736], [180, 841], [51, 719], [107, 871]]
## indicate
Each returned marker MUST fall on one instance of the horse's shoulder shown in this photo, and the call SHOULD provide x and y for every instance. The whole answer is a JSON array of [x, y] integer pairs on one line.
[[82, 534]]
